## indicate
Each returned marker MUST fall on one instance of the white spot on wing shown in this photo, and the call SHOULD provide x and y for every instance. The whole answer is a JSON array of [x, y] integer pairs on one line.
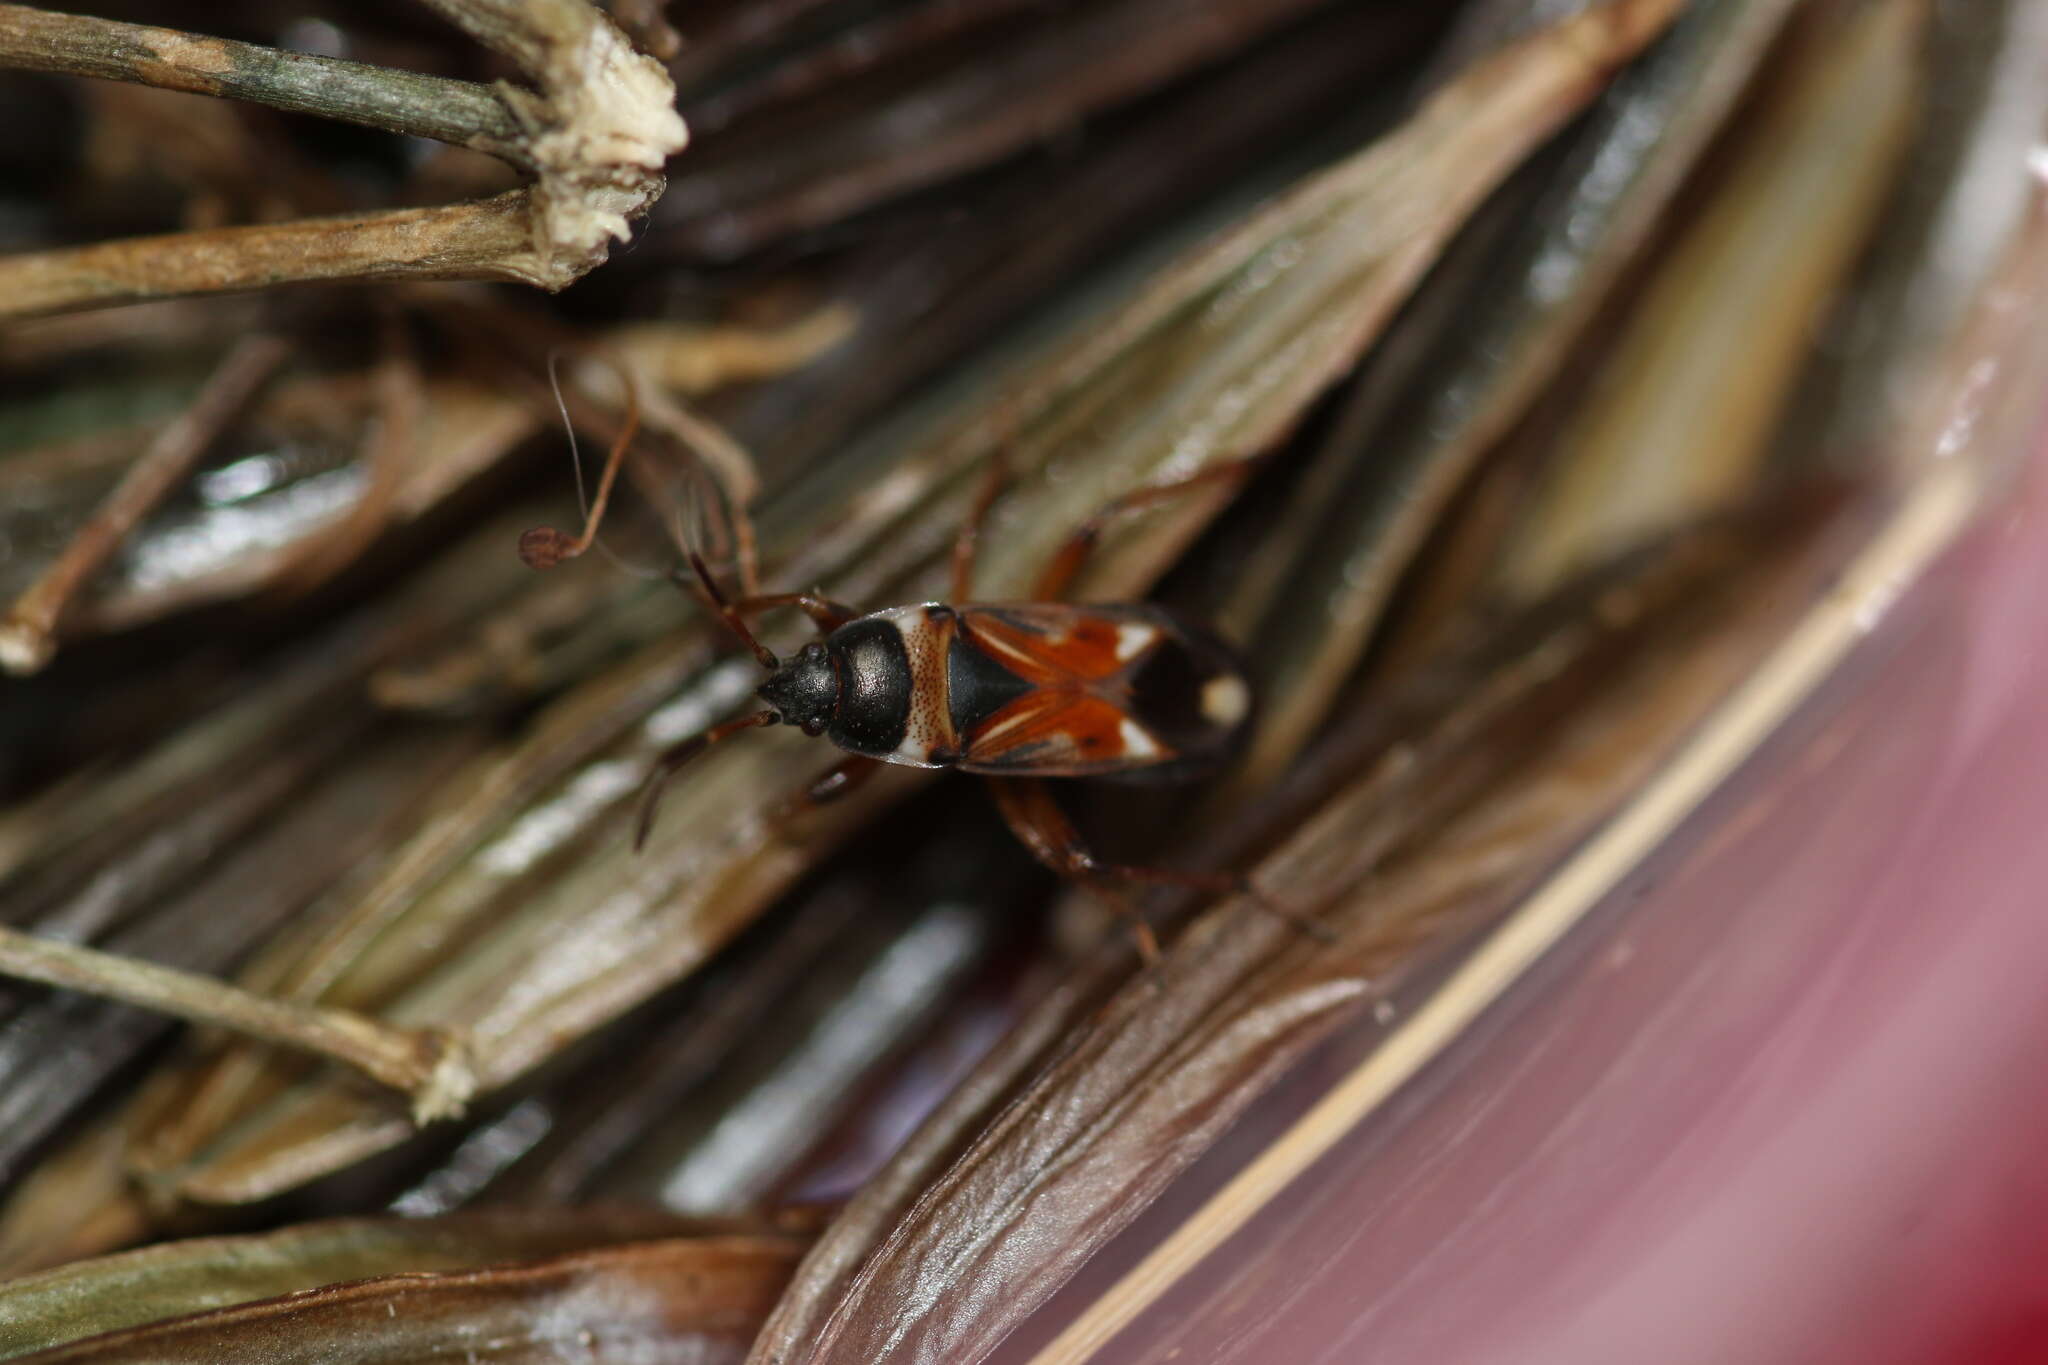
[[1133, 639], [1225, 700], [1137, 744]]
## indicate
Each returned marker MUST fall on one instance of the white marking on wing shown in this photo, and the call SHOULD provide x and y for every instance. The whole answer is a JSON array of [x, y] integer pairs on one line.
[[1133, 639], [1225, 700], [1001, 728], [1137, 744]]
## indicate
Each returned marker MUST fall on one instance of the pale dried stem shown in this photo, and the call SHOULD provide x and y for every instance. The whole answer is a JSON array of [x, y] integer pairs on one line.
[[460, 112], [595, 137], [28, 631], [599, 131], [487, 239], [429, 1065]]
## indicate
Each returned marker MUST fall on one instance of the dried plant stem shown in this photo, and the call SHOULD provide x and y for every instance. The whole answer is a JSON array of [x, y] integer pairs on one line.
[[28, 631], [429, 1065], [487, 239], [595, 136], [461, 112]]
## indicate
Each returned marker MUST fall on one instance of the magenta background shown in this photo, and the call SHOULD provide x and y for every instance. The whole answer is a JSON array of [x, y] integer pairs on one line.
[[1784, 1099]]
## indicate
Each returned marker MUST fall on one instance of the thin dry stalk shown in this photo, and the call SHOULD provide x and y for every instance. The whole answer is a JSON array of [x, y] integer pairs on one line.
[[429, 1065], [461, 112], [28, 631], [595, 136]]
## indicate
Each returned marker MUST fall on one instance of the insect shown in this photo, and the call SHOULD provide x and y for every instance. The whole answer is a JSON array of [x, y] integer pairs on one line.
[[1015, 692]]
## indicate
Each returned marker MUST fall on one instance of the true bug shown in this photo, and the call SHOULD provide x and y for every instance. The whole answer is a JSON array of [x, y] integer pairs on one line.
[[1015, 692]]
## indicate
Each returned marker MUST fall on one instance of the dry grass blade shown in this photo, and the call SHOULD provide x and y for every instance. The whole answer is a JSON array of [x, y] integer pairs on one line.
[[179, 1278], [929, 291], [1735, 304], [1213, 359], [785, 1029], [1957, 201], [750, 189], [697, 1299], [1456, 375]]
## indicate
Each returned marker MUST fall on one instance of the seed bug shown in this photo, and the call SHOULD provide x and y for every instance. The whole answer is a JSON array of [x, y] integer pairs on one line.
[[1014, 692]]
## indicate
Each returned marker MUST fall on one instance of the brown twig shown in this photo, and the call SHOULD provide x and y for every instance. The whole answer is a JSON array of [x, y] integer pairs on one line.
[[595, 136], [28, 631], [487, 239], [429, 1065], [461, 112]]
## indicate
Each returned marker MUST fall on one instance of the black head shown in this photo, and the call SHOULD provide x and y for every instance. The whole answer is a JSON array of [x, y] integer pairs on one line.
[[805, 690]]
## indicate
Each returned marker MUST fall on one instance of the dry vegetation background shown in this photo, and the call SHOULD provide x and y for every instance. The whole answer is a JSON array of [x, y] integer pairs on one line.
[[1589, 342]]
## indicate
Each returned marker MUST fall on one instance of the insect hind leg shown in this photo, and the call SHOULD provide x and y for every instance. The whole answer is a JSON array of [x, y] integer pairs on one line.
[[967, 542], [1042, 827]]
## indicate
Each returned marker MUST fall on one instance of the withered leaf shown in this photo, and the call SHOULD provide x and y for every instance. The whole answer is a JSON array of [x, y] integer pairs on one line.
[[392, 1290]]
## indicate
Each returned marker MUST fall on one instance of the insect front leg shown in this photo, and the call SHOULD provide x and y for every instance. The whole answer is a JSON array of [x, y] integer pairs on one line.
[[1061, 570], [842, 779], [826, 614], [674, 757]]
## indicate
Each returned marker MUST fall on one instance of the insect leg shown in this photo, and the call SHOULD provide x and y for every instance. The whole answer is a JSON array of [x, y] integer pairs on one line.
[[1222, 884], [1060, 571], [1044, 829], [1039, 823], [842, 779], [826, 614], [675, 757], [543, 547], [964, 545]]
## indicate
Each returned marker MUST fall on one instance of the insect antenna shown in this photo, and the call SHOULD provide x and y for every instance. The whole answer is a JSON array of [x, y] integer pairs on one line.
[[724, 608], [665, 768], [543, 547]]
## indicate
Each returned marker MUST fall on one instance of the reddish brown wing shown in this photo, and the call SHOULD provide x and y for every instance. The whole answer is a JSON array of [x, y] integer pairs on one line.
[[1056, 733], [1052, 645], [1126, 692]]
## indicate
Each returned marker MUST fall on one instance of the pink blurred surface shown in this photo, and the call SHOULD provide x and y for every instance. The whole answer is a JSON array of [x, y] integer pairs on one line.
[[1783, 1100]]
